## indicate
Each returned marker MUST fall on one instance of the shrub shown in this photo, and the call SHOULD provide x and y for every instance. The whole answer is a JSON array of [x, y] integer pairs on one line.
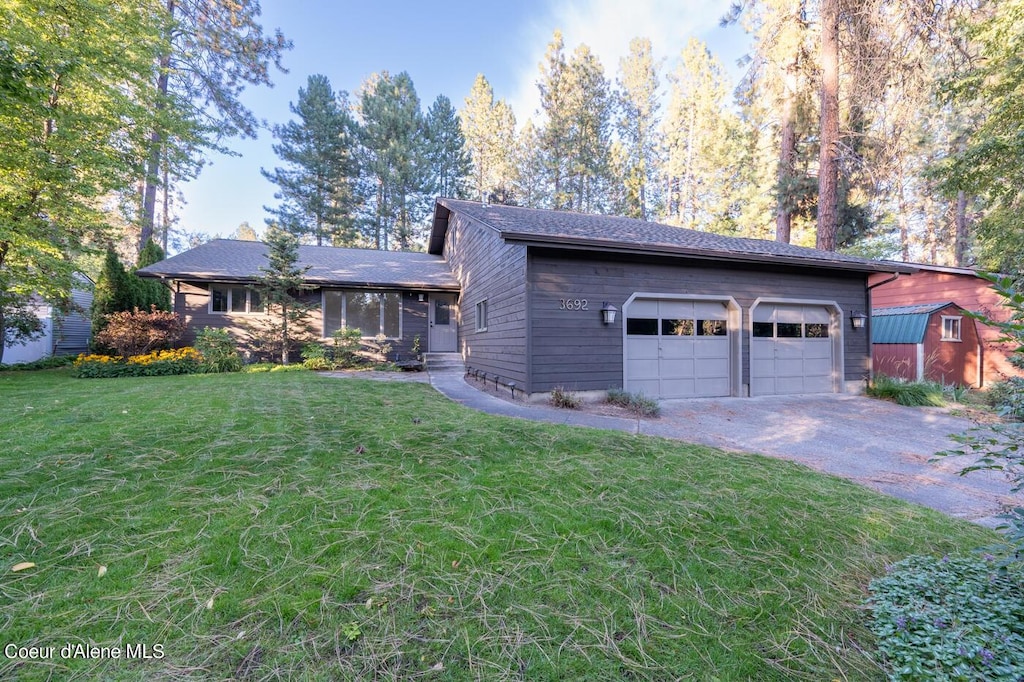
[[158, 363], [911, 394], [314, 356], [52, 362], [138, 332], [271, 367], [950, 619], [218, 350], [346, 344], [635, 402], [1007, 397], [566, 399]]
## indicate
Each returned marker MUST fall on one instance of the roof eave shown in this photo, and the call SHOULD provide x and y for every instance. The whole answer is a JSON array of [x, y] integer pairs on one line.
[[320, 282], [703, 254]]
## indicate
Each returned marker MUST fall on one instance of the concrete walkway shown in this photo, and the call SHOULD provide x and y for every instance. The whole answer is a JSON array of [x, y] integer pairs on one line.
[[872, 442]]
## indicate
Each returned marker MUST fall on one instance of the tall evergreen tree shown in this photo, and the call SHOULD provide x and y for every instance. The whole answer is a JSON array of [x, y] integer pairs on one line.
[[489, 128], [150, 292], [396, 159], [556, 123], [317, 187], [638, 125], [589, 107], [702, 144], [447, 156], [212, 50]]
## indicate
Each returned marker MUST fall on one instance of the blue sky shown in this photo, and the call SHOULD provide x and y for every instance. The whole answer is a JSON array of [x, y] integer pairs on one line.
[[443, 46]]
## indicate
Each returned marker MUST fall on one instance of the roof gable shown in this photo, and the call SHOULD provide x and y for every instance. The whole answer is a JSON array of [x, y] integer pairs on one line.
[[233, 260], [903, 324], [613, 233]]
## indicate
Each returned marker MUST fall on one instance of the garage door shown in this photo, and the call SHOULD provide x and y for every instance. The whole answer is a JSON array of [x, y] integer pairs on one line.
[[790, 350], [677, 349]]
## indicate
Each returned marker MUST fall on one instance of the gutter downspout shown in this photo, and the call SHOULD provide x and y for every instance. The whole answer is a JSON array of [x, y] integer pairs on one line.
[[871, 345]]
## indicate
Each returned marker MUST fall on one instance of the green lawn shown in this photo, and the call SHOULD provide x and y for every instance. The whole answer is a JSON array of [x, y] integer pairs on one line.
[[291, 526]]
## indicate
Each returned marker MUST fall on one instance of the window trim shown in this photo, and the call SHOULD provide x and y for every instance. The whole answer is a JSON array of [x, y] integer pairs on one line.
[[229, 300], [482, 305], [958, 319], [379, 293]]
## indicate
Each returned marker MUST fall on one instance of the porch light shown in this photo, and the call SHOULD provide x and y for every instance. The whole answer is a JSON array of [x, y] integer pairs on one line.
[[857, 319], [608, 313]]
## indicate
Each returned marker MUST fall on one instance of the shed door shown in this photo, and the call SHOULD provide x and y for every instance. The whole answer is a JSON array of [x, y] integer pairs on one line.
[[791, 350], [677, 349]]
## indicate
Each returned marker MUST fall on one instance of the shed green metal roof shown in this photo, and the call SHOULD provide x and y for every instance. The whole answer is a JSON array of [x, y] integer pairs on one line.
[[902, 324]]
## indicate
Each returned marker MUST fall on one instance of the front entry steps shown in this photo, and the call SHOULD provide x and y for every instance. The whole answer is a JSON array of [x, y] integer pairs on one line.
[[444, 362]]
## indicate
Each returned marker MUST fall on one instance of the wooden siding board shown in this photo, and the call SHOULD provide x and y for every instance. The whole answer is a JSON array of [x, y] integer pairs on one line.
[[596, 278], [488, 268]]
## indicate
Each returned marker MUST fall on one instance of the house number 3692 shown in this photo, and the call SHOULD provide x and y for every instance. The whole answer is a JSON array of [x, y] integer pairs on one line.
[[572, 304]]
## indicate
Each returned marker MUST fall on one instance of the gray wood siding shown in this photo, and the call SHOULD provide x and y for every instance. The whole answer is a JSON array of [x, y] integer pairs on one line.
[[192, 300], [489, 269], [72, 332], [573, 349]]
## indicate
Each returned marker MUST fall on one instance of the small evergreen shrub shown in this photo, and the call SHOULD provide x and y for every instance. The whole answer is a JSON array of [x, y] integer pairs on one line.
[[345, 346], [635, 402], [158, 363], [565, 399], [911, 394], [218, 350], [949, 619]]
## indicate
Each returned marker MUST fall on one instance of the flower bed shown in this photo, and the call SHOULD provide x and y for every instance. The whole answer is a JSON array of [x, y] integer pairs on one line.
[[157, 363]]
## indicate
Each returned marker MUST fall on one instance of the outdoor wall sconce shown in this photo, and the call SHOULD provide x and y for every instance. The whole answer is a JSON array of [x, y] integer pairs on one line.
[[608, 313], [422, 298], [858, 319]]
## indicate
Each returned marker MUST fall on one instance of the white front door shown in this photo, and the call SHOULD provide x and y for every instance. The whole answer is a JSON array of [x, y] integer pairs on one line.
[[444, 329]]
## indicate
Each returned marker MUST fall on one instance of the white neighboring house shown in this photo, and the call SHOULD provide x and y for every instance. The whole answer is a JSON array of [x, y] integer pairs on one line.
[[62, 334]]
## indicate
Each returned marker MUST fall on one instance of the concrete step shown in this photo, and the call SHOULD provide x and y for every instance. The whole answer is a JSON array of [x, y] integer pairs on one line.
[[444, 361]]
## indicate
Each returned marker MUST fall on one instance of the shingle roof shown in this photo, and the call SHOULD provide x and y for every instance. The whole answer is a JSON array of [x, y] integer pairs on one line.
[[903, 324], [629, 234], [232, 260]]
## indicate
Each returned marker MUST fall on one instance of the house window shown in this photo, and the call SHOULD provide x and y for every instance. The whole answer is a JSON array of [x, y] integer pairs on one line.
[[372, 313], [950, 328], [481, 316], [242, 300]]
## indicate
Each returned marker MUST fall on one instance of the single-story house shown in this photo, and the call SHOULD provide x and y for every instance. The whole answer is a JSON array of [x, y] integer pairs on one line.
[[934, 342], [541, 299], [931, 283], [66, 333]]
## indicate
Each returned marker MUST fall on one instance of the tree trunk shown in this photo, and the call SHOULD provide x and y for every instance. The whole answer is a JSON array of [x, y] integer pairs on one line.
[[828, 165], [787, 155], [961, 229], [284, 334], [156, 141]]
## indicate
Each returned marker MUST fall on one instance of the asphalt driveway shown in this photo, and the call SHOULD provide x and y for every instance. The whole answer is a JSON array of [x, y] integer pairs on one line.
[[872, 442]]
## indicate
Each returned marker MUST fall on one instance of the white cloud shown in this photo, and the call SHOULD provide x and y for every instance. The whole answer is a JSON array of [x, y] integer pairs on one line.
[[607, 27]]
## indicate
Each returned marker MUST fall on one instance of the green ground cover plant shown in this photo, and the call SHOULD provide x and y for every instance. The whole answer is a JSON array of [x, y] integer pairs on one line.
[[293, 526]]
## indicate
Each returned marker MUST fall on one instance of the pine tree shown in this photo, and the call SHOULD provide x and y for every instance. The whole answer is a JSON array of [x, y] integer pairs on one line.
[[556, 124], [447, 154], [489, 128], [638, 125], [115, 292], [316, 188], [279, 285], [396, 156], [703, 147], [212, 50], [589, 103], [150, 292]]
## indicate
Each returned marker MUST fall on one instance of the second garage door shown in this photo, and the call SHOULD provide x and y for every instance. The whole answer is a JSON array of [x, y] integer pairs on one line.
[[791, 350], [677, 348]]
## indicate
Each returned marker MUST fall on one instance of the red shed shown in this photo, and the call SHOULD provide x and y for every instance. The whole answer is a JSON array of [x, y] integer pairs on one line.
[[934, 341], [963, 285]]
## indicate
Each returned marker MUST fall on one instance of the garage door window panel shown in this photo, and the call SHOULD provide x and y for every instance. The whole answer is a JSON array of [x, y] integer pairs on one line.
[[677, 327], [642, 326], [711, 328]]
